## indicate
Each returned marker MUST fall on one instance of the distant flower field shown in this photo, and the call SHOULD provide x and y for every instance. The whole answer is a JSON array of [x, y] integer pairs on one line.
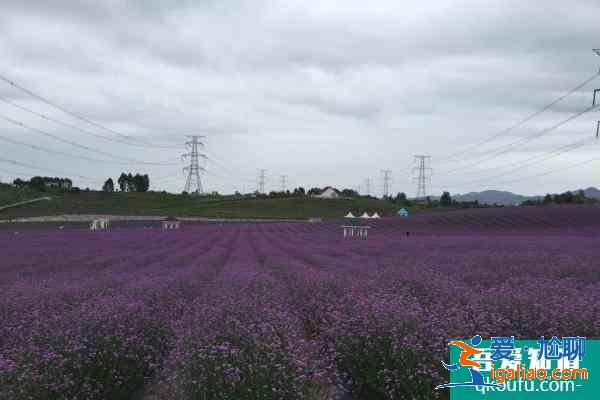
[[285, 310]]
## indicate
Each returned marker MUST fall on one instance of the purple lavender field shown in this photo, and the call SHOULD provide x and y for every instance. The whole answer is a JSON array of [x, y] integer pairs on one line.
[[285, 310]]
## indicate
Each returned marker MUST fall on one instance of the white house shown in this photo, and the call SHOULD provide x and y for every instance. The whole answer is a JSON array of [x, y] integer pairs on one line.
[[328, 193]]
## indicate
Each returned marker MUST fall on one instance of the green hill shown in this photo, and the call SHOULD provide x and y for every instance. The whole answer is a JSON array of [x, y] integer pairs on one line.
[[158, 203]]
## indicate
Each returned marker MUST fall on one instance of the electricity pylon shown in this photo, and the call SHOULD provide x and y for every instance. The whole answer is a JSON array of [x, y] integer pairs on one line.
[[261, 180], [422, 178], [283, 178], [387, 177], [194, 169]]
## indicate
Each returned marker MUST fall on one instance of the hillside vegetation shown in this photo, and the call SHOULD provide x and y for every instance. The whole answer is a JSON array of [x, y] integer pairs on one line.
[[158, 203], [11, 195]]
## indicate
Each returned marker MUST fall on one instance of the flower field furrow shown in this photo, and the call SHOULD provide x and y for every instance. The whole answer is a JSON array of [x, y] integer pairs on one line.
[[285, 310]]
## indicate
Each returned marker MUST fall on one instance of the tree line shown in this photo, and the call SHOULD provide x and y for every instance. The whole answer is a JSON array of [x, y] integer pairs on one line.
[[44, 183], [128, 183], [567, 197]]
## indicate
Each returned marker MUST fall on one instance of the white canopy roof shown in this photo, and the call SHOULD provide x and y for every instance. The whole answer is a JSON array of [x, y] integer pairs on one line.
[[375, 215], [350, 215], [365, 215]]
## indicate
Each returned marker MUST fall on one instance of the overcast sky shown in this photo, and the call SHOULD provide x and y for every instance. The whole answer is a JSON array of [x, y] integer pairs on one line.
[[325, 92]]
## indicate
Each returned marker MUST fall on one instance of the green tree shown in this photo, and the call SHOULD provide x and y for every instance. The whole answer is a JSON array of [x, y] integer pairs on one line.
[[579, 197], [446, 199], [401, 198], [140, 183], [109, 185], [299, 191], [349, 193], [37, 183], [122, 181]]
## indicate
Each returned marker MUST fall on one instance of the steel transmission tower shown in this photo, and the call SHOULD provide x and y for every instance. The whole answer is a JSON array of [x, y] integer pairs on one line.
[[422, 178], [193, 179], [261, 180], [387, 177], [368, 186], [283, 178]]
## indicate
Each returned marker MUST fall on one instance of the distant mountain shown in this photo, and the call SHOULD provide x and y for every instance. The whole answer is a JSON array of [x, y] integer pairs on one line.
[[509, 198], [493, 197], [592, 193]]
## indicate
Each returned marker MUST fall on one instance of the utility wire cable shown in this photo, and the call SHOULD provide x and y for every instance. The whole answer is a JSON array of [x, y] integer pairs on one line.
[[14, 173], [67, 125], [22, 164], [524, 120], [81, 146], [80, 117], [526, 160], [537, 159], [508, 147], [553, 171], [52, 151]]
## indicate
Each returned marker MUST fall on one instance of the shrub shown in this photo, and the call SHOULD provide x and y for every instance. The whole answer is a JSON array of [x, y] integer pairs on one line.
[[377, 369], [234, 368], [99, 359]]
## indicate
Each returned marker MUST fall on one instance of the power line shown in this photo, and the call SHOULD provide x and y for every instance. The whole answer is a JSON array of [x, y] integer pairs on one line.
[[80, 117], [21, 164], [74, 144], [508, 147], [193, 179], [537, 159], [524, 120], [17, 174], [50, 151], [227, 171], [552, 171], [67, 125]]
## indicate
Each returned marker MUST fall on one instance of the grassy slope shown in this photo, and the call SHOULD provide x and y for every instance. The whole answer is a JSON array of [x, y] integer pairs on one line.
[[10, 195], [169, 204]]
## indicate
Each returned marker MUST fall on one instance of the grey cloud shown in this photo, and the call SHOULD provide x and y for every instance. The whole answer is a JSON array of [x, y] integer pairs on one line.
[[351, 86]]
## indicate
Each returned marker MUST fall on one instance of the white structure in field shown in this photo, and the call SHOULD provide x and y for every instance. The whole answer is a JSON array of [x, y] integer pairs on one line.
[[375, 215], [328, 193], [350, 215], [365, 215], [100, 224], [403, 212], [315, 220], [170, 224], [356, 230]]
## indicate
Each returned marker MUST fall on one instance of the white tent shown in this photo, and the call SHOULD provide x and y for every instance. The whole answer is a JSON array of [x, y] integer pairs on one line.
[[365, 215], [375, 215], [350, 215]]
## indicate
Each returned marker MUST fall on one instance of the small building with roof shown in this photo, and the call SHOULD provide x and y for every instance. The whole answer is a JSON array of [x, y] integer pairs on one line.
[[403, 212], [328, 193]]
